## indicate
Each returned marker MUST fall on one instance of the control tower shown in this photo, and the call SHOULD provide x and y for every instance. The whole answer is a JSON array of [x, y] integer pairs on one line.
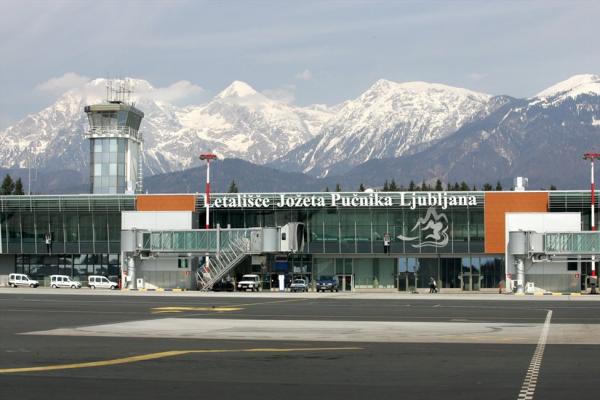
[[115, 142]]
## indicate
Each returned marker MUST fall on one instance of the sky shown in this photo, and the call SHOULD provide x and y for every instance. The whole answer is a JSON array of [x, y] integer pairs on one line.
[[302, 52]]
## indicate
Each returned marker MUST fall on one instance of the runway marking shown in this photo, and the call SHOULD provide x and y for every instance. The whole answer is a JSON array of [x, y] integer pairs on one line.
[[530, 381], [164, 354], [234, 307], [162, 310]]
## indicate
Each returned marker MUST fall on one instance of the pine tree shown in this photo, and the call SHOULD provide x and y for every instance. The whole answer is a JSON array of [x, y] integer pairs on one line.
[[19, 188], [232, 187], [448, 187], [487, 187], [438, 186], [552, 187], [361, 188], [464, 187], [474, 188], [338, 188], [424, 186], [386, 186], [393, 187], [327, 188], [411, 186], [498, 186], [456, 187], [8, 186]]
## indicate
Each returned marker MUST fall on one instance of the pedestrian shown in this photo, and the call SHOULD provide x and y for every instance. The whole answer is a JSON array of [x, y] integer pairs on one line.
[[48, 241], [435, 288], [432, 288], [386, 243]]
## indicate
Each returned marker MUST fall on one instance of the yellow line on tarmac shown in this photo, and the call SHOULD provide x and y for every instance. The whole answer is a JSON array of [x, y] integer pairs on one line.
[[158, 310], [164, 354], [235, 307]]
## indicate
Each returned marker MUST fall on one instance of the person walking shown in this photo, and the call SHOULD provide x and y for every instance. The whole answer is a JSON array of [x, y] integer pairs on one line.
[[432, 285]]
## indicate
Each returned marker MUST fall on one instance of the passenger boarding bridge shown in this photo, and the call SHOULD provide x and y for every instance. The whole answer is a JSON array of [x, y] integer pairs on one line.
[[551, 247], [222, 248]]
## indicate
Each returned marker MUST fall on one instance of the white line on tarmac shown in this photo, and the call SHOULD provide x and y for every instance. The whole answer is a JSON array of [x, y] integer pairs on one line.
[[531, 378]]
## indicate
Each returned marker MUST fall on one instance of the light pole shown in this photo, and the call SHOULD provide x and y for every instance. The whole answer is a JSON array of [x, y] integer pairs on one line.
[[592, 157], [207, 157]]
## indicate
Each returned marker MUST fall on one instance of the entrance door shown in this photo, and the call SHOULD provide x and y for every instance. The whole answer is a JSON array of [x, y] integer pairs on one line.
[[407, 281], [346, 282]]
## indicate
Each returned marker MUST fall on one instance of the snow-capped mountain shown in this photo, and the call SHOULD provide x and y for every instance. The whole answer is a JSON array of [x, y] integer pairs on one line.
[[543, 138], [388, 120], [238, 122]]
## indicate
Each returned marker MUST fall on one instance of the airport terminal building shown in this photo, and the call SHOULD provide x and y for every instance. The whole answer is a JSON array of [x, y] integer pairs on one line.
[[458, 238]]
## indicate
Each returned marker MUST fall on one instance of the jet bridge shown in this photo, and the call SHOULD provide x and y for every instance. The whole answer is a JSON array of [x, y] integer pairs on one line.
[[550, 247], [223, 248]]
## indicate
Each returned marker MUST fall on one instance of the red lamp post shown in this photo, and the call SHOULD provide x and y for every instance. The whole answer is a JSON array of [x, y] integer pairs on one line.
[[592, 157], [207, 157]]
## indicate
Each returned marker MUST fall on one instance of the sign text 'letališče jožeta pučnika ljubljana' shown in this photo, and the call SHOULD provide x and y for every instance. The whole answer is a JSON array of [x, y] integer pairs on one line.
[[411, 200]]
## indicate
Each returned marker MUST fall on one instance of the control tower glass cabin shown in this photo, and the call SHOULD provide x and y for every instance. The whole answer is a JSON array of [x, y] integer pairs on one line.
[[115, 148]]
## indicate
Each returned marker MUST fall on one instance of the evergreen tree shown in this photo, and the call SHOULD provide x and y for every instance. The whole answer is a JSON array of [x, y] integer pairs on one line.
[[393, 187], [327, 188], [386, 186], [464, 187], [498, 186], [424, 186], [411, 186], [448, 187], [552, 187], [338, 188], [474, 188], [487, 187], [456, 187], [361, 188], [232, 187], [8, 186], [438, 186], [19, 188]]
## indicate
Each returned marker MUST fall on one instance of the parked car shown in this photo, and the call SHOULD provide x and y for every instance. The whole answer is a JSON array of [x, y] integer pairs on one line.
[[328, 283], [299, 285], [223, 285], [15, 280], [58, 281], [251, 282], [101, 282]]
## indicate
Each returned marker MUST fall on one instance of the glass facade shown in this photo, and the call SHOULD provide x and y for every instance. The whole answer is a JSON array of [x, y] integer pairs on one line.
[[76, 235], [425, 241], [108, 163]]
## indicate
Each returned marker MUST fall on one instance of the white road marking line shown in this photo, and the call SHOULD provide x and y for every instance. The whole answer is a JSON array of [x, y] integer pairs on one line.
[[531, 378]]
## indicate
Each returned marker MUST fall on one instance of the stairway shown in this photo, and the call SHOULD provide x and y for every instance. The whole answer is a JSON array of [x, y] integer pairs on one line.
[[224, 261]]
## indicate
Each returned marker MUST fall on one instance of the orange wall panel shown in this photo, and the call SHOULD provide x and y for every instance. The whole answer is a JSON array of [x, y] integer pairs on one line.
[[497, 204], [171, 202]]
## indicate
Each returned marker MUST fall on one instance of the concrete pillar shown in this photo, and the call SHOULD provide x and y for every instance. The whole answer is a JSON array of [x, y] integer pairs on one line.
[[520, 275], [131, 272]]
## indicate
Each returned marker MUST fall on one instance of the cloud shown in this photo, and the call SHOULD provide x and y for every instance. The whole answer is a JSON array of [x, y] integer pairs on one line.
[[68, 81], [305, 75], [285, 94], [178, 92]]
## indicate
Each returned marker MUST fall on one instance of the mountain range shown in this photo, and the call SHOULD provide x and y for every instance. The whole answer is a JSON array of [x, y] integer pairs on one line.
[[403, 131]]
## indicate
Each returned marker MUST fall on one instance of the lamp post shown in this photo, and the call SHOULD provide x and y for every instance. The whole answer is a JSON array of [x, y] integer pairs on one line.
[[207, 157], [592, 157]]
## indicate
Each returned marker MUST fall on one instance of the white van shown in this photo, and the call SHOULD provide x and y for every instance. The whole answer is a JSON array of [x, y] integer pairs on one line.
[[15, 280], [101, 282], [58, 281]]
